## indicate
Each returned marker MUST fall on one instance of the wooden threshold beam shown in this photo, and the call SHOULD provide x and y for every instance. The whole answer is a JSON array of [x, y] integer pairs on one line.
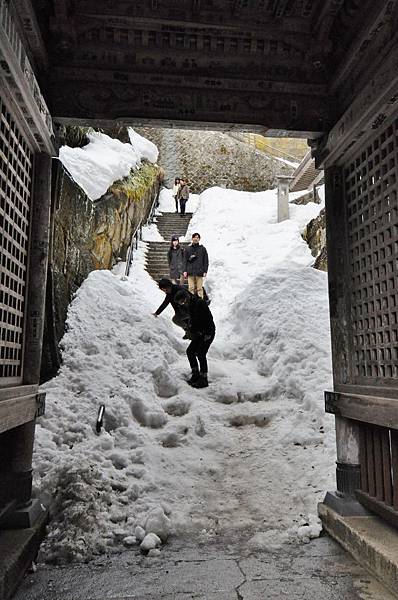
[[367, 409]]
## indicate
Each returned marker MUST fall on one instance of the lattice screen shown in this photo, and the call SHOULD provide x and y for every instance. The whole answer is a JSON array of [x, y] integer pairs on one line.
[[371, 196], [15, 188]]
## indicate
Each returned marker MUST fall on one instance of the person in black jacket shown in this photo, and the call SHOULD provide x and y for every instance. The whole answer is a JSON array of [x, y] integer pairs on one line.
[[202, 331], [181, 316], [196, 264]]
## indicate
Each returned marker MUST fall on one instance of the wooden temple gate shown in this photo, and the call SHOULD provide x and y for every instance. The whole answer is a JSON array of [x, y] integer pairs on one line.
[[325, 70], [362, 213], [25, 164]]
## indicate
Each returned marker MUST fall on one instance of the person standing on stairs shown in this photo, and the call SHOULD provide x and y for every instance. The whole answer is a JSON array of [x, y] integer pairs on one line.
[[201, 331], [176, 188], [181, 316], [175, 258], [196, 264], [183, 195]]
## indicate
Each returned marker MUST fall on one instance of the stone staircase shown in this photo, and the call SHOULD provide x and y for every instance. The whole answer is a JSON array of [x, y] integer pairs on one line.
[[168, 224]]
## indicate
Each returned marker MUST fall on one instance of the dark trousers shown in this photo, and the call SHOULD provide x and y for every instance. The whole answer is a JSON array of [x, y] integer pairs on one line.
[[182, 205], [176, 201], [182, 320], [197, 350]]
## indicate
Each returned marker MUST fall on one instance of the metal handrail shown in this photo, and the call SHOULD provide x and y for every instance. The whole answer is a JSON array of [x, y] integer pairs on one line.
[[137, 234]]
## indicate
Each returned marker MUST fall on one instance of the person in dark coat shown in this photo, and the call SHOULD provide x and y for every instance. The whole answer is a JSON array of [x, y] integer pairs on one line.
[[202, 332], [176, 188], [181, 316], [196, 264], [175, 257], [183, 195]]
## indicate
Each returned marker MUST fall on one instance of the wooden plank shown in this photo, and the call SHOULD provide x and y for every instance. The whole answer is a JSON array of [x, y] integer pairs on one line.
[[367, 390], [378, 463], [17, 411], [370, 462], [386, 456], [363, 461], [18, 392], [368, 409], [394, 467]]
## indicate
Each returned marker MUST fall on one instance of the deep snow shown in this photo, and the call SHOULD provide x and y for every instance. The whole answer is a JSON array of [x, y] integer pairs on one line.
[[105, 160], [249, 456]]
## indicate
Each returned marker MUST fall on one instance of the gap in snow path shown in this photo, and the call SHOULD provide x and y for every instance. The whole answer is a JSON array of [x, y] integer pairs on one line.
[[248, 457]]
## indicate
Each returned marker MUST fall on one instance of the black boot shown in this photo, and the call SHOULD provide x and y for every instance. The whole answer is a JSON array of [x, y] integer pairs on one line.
[[194, 377], [201, 381]]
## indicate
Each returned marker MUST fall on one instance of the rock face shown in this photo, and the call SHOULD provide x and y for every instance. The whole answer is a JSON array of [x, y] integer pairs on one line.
[[208, 158], [88, 236], [315, 236]]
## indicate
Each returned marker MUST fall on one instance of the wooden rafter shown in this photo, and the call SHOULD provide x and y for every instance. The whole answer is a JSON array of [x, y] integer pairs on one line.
[[377, 17]]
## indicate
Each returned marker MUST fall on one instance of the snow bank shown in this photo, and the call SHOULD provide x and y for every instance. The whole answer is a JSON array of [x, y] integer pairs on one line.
[[241, 233], [280, 326], [253, 453], [145, 148], [105, 160]]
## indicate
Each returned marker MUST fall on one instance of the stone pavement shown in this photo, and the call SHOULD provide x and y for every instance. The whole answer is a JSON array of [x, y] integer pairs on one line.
[[320, 570]]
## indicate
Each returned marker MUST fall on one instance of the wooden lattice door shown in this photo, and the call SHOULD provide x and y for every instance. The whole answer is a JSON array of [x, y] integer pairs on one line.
[[363, 244], [15, 195]]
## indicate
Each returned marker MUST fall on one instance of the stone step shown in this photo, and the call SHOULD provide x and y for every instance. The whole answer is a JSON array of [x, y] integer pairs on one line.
[[369, 539], [173, 218], [155, 263], [180, 231], [180, 224], [165, 215], [168, 224]]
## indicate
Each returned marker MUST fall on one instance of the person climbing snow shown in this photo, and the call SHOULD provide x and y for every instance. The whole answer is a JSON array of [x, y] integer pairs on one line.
[[176, 188], [201, 331], [181, 316], [196, 264], [175, 258], [183, 195]]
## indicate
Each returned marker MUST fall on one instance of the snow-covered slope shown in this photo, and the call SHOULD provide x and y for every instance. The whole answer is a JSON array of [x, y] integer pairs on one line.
[[250, 455]]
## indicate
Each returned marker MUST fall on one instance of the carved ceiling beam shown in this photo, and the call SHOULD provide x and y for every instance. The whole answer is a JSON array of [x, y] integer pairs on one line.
[[85, 96], [279, 7], [369, 110], [63, 23], [378, 14], [258, 86], [253, 20], [325, 17], [31, 30]]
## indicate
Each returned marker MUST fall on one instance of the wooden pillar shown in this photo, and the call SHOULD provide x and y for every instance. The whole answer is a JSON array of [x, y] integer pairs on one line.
[[347, 432], [39, 250], [20, 440]]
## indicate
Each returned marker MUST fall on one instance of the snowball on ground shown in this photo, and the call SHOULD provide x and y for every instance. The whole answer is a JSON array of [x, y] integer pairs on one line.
[[259, 431]]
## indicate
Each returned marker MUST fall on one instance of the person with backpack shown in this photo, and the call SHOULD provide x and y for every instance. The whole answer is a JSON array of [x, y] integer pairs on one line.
[[175, 258], [196, 264], [176, 189], [183, 195], [201, 331]]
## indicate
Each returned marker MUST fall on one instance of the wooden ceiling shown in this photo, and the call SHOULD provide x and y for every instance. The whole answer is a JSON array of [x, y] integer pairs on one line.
[[283, 65]]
